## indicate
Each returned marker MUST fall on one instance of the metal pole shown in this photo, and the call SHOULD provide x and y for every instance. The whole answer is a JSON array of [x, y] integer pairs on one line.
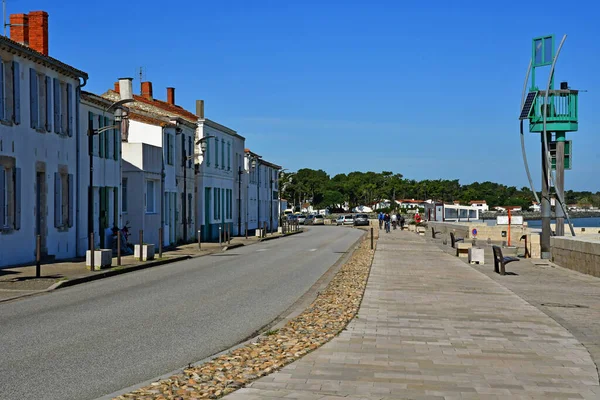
[[91, 246], [371, 238], [229, 229], [560, 183], [240, 200], [160, 242], [38, 256], [246, 229], [219, 235], [141, 239], [184, 205], [545, 237], [199, 240], [119, 248], [509, 221]]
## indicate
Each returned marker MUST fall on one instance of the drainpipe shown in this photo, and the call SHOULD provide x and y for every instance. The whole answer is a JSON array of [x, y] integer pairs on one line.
[[162, 186], [77, 166]]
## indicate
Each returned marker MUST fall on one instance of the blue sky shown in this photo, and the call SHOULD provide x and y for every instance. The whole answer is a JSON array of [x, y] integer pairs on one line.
[[430, 91]]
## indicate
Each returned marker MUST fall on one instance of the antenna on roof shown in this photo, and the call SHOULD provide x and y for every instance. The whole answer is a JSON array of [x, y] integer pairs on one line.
[[4, 14], [141, 78]]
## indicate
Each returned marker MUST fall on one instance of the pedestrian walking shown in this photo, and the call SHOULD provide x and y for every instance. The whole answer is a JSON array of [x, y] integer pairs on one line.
[[394, 221], [402, 222], [386, 220], [380, 220]]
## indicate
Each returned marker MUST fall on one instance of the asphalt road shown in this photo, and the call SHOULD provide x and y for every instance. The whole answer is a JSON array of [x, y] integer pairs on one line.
[[90, 340]]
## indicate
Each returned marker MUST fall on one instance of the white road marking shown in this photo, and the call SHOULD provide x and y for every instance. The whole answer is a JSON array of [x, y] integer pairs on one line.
[[313, 250], [261, 250]]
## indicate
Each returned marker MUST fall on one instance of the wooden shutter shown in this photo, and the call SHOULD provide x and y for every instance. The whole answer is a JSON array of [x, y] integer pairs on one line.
[[57, 119], [69, 109], [48, 89], [7, 98], [117, 145], [2, 191], [92, 141], [116, 206], [16, 93], [33, 98], [17, 217], [101, 137], [106, 140], [57, 200], [2, 105], [71, 200]]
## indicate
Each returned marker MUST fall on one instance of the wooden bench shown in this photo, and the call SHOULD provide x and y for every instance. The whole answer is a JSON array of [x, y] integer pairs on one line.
[[462, 249], [433, 232], [454, 240], [500, 261]]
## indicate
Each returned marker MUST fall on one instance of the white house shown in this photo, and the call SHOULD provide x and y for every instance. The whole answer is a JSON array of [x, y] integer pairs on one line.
[[481, 205], [171, 128], [263, 192], [535, 207], [106, 166], [411, 204], [221, 180], [39, 138]]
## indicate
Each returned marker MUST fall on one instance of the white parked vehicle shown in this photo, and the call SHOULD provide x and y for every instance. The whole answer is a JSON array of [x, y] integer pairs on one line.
[[345, 220]]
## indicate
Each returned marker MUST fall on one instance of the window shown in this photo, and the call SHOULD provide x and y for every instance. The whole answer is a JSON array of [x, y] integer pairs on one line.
[[10, 92], [222, 153], [101, 135], [169, 148], [116, 142], [63, 200], [124, 195], [228, 156], [216, 152], [107, 139], [189, 209], [10, 198], [207, 152], [150, 197]]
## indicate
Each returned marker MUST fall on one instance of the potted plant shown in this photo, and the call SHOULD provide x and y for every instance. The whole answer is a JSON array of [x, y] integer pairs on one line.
[[102, 259], [144, 252]]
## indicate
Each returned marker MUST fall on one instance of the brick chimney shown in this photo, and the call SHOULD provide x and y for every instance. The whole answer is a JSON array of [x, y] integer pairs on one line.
[[38, 31], [117, 87], [19, 28], [147, 90], [171, 95]]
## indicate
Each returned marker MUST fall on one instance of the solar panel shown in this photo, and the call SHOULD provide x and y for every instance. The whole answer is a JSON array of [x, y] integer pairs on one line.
[[528, 105]]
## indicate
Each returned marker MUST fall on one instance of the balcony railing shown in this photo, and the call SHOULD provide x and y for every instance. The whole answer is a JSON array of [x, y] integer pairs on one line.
[[561, 111]]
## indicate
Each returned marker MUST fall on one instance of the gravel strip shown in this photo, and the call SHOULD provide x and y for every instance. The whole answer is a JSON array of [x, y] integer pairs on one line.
[[326, 317]]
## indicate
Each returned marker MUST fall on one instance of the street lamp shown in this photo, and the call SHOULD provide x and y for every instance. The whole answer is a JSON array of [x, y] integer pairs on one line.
[[203, 142], [255, 162], [117, 106]]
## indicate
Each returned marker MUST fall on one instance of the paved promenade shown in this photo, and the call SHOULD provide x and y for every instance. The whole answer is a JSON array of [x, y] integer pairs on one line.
[[432, 327]]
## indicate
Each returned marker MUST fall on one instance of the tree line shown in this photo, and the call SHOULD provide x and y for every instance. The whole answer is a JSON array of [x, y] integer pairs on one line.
[[366, 188]]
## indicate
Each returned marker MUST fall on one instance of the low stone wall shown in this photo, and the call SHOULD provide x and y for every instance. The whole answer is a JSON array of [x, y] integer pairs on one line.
[[580, 254], [484, 232]]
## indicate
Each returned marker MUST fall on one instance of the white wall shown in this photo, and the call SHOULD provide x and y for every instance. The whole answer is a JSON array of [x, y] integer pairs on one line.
[[29, 147]]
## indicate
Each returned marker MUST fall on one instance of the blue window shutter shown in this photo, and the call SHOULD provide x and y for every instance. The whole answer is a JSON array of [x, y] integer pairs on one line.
[[57, 197], [106, 139], [117, 138], [17, 198], [69, 109], [2, 105], [17, 93], [57, 120], [33, 98], [71, 200], [2, 190], [48, 89], [101, 137]]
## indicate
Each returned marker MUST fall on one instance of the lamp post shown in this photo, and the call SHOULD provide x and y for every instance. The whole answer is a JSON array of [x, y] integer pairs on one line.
[[240, 172], [254, 162], [203, 142], [117, 106]]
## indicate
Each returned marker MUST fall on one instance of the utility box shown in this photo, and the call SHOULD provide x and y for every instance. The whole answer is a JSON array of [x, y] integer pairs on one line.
[[476, 255]]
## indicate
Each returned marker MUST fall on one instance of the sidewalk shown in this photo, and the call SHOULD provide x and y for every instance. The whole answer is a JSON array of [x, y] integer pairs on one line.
[[432, 327], [20, 281]]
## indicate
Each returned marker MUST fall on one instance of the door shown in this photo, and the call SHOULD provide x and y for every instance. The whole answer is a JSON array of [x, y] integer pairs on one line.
[[103, 214], [206, 226], [40, 209]]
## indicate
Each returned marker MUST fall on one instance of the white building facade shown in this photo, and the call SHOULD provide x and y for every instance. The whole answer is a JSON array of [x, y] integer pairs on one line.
[[38, 145], [263, 193], [221, 179], [106, 169]]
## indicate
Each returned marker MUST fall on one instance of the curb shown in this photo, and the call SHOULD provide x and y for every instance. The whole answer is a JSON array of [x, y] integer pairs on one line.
[[233, 246], [280, 236], [114, 272]]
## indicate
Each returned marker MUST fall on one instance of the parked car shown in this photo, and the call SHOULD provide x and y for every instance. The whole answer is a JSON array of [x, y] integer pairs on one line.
[[345, 220], [318, 220], [309, 220], [292, 218], [301, 219], [361, 219]]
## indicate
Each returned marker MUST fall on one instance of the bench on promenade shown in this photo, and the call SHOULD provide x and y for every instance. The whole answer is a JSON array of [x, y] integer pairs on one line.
[[433, 233], [454, 240], [500, 261]]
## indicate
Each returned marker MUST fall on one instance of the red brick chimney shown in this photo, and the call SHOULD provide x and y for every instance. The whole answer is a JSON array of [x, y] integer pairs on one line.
[[147, 90], [171, 95], [117, 87], [19, 28], [38, 31]]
